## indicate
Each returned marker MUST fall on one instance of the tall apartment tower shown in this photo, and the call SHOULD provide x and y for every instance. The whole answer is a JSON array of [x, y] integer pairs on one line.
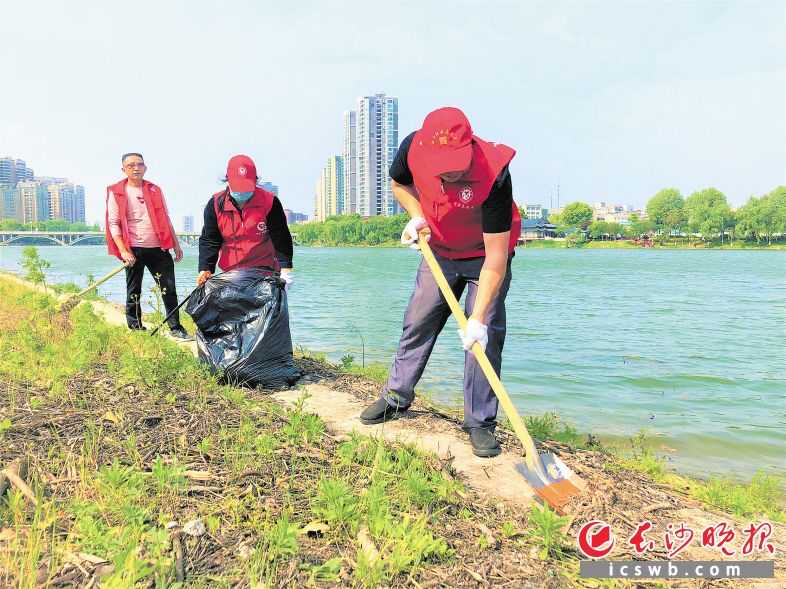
[[376, 145], [13, 171], [329, 199], [34, 199], [10, 207], [350, 163], [188, 223], [61, 201], [7, 171], [79, 203]]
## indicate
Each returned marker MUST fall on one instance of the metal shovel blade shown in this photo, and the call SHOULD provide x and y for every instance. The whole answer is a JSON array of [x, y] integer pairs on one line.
[[553, 480]]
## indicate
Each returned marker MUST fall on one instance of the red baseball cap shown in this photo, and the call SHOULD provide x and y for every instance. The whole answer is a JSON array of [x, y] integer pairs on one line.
[[241, 174], [447, 141]]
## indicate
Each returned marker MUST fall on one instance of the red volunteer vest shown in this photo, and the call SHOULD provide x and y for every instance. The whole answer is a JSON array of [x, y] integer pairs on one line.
[[154, 202], [453, 209], [245, 239]]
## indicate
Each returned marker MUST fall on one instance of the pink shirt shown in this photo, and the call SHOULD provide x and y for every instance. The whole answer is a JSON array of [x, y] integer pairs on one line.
[[140, 229]]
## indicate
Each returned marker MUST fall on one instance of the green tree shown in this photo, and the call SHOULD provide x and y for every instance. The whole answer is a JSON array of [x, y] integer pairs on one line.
[[708, 213], [750, 220], [11, 225], [35, 265], [576, 239], [576, 213], [642, 227], [667, 209], [55, 225], [775, 212], [598, 229]]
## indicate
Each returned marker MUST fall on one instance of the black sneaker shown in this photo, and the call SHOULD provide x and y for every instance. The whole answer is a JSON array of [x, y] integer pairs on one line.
[[179, 333], [380, 411], [137, 328], [484, 442]]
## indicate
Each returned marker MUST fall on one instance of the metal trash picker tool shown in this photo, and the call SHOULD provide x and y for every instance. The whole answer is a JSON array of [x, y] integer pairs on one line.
[[72, 300], [546, 473]]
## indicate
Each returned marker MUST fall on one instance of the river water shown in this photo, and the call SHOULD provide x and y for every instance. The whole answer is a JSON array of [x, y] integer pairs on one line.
[[688, 344]]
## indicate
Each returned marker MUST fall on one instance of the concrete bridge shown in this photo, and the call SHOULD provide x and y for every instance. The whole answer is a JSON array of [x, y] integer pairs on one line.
[[69, 238]]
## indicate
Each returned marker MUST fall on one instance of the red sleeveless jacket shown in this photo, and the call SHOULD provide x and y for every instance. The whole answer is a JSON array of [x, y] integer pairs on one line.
[[154, 202], [246, 241], [453, 209]]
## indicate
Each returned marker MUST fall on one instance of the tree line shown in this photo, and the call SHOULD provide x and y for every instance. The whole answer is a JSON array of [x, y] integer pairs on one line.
[[705, 212], [48, 225], [352, 230]]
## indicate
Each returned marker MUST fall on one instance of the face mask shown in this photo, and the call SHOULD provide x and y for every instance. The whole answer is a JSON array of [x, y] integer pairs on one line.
[[241, 196]]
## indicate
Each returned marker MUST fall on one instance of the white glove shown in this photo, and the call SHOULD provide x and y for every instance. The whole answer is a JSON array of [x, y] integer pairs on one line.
[[476, 332], [288, 276], [410, 234]]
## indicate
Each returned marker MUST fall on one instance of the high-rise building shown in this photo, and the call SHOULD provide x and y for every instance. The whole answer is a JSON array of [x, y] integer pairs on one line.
[[34, 199], [79, 203], [61, 201], [269, 186], [10, 208], [376, 145], [329, 197], [50, 180], [350, 163], [13, 171], [320, 204], [293, 217], [188, 223], [7, 171]]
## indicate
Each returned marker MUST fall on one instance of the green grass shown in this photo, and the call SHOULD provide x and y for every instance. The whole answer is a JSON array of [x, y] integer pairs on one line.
[[119, 498], [763, 496]]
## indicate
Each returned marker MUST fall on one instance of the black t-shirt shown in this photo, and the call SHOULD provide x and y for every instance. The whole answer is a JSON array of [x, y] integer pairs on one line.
[[211, 239], [497, 209]]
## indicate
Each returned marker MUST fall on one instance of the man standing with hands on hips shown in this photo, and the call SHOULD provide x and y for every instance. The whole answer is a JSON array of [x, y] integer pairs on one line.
[[140, 232], [457, 189]]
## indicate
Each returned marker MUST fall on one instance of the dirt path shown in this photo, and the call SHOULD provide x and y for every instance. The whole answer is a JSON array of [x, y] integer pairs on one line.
[[495, 477]]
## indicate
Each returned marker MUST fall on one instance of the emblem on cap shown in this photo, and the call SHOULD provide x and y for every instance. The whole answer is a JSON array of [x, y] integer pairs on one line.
[[466, 194], [242, 170], [443, 137]]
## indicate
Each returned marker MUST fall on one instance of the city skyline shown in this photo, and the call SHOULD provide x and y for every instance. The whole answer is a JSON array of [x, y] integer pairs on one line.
[[28, 198], [611, 102]]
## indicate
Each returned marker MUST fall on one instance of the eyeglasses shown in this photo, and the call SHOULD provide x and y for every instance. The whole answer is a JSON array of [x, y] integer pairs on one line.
[[133, 165]]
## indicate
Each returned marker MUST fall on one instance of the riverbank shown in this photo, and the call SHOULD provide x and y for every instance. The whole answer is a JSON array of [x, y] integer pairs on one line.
[[697, 396], [145, 468], [627, 244]]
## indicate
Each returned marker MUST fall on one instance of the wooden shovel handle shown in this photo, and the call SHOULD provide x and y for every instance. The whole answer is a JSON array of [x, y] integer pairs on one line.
[[100, 281], [480, 355]]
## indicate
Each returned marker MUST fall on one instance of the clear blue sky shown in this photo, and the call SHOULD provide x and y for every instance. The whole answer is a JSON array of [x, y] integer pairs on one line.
[[614, 100]]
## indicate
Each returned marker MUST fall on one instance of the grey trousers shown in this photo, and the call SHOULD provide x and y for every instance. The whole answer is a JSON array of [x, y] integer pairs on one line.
[[424, 319]]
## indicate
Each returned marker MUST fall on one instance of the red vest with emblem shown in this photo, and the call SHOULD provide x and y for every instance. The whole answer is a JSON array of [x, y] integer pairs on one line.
[[154, 203], [453, 209], [245, 239]]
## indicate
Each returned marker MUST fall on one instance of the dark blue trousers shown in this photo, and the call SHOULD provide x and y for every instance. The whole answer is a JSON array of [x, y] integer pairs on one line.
[[426, 315]]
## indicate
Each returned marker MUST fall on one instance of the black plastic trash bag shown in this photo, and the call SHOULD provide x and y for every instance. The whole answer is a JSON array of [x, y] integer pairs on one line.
[[242, 324]]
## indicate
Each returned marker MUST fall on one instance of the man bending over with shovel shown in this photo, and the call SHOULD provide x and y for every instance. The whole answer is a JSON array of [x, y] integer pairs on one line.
[[457, 188]]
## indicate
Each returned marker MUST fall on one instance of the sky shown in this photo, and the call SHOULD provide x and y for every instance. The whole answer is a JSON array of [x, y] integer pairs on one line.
[[610, 101]]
